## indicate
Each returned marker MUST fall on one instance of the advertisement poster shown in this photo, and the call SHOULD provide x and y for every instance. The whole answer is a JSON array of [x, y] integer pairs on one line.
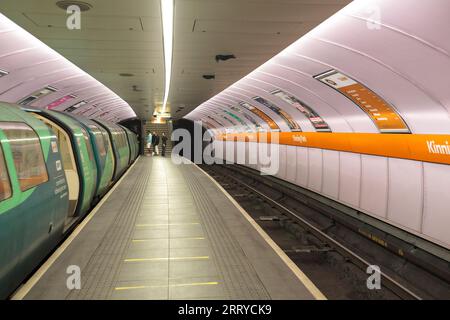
[[215, 121], [382, 114], [75, 106], [238, 119], [318, 123], [60, 101], [248, 117], [264, 117], [284, 115]]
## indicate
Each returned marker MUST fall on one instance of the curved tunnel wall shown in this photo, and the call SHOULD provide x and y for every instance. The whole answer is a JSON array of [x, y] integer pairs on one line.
[[363, 110], [33, 74]]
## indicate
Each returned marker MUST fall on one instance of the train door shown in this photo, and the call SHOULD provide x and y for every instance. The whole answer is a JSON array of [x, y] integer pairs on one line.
[[69, 165]]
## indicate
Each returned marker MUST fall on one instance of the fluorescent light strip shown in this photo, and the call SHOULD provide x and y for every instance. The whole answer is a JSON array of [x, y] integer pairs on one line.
[[167, 10]]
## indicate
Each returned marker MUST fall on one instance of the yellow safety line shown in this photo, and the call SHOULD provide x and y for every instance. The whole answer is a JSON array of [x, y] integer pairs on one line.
[[317, 294], [149, 240], [171, 286], [25, 288], [166, 224], [166, 259]]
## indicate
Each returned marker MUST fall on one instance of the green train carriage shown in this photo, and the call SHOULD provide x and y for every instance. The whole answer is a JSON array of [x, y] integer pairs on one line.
[[78, 160], [133, 143], [103, 153], [52, 166], [33, 195], [120, 145]]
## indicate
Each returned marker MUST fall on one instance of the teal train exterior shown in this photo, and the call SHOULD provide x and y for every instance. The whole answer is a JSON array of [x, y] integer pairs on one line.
[[53, 169]]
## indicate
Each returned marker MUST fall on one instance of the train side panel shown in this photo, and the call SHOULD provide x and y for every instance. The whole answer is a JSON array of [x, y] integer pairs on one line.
[[33, 198], [120, 147]]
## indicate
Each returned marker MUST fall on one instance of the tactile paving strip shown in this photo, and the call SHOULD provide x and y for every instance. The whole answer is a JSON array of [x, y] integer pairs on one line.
[[100, 272], [240, 279]]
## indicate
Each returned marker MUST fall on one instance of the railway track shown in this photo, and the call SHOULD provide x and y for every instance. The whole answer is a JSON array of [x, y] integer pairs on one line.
[[329, 243]]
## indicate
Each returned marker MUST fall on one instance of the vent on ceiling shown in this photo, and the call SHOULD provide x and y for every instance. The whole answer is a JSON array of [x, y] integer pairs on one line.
[[209, 76], [224, 57], [126, 74], [64, 4], [136, 89]]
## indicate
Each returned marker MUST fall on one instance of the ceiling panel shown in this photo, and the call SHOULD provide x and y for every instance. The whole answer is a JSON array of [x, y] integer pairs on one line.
[[125, 37]]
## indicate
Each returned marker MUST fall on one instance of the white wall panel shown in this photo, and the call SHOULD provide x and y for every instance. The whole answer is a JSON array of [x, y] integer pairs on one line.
[[302, 167], [229, 151], [436, 217], [291, 163], [219, 147], [405, 193], [264, 152], [252, 154], [374, 185], [315, 169], [282, 162], [350, 178], [241, 154], [331, 173]]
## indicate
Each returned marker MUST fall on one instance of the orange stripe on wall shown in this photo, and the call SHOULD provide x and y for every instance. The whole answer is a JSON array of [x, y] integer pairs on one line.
[[419, 147]]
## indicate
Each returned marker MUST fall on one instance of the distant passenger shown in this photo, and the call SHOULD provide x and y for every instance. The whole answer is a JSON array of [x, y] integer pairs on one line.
[[157, 144], [154, 145], [149, 142], [164, 144]]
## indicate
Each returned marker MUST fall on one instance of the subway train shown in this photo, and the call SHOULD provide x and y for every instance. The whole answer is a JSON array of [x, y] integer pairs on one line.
[[53, 168]]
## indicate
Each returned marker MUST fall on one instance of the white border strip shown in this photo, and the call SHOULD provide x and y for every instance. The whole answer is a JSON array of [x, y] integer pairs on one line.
[[26, 287], [317, 294]]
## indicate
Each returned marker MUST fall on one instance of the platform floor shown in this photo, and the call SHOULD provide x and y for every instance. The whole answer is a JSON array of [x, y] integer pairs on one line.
[[168, 232]]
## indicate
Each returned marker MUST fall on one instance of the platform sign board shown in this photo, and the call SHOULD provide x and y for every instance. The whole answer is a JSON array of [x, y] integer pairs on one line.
[[238, 119], [75, 106], [381, 113], [248, 117], [60, 101], [263, 116], [318, 123], [37, 95], [287, 118]]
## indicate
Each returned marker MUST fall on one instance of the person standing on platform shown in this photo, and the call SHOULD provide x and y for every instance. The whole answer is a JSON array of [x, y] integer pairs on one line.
[[163, 144], [153, 143], [149, 142], [157, 140]]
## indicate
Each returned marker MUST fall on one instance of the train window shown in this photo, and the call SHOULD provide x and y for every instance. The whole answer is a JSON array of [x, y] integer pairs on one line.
[[99, 140], [5, 184], [27, 153], [88, 144]]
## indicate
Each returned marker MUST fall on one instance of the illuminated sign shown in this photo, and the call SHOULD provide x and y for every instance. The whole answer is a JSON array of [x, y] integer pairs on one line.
[[36, 95], [60, 101], [75, 106], [272, 124], [242, 122], [382, 114], [248, 117], [293, 126], [318, 123]]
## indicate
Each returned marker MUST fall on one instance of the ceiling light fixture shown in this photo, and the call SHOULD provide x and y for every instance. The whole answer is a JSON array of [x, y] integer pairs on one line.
[[167, 11]]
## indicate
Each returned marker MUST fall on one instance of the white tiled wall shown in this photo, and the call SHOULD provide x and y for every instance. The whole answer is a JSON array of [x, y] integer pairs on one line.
[[315, 169], [331, 174], [350, 178], [436, 216], [374, 185], [405, 202], [409, 194]]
